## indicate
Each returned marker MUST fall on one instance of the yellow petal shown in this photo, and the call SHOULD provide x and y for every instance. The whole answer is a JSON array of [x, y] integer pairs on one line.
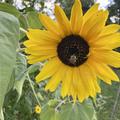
[[109, 57], [76, 17], [38, 35], [42, 47], [94, 25], [66, 82], [55, 80], [31, 43], [91, 12], [108, 81], [105, 72], [62, 20], [101, 75], [41, 52], [78, 85], [49, 69], [98, 25], [88, 78], [83, 82], [34, 59], [109, 41], [50, 24], [110, 29], [95, 81], [75, 84]]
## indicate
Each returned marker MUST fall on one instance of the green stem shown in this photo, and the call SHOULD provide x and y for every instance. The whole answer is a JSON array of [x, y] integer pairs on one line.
[[23, 30], [33, 90], [62, 102], [115, 104]]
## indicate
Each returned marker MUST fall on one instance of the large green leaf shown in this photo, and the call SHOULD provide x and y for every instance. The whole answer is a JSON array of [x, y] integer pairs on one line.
[[84, 111], [12, 81], [12, 10], [23, 25], [33, 20], [9, 36], [20, 73], [9, 9], [69, 111], [49, 113]]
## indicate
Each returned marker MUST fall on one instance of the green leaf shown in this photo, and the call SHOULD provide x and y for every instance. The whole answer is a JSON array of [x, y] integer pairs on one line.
[[33, 20], [21, 66], [49, 113], [53, 102], [9, 9], [20, 73], [9, 36], [107, 101], [33, 68], [84, 111], [69, 111], [12, 81], [23, 24], [12, 10]]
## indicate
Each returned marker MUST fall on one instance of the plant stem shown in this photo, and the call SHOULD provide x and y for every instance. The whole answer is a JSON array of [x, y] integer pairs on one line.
[[62, 102], [115, 104], [23, 30], [33, 90]]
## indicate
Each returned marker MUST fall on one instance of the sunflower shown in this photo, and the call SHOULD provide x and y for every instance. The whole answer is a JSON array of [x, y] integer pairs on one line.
[[77, 51], [37, 109]]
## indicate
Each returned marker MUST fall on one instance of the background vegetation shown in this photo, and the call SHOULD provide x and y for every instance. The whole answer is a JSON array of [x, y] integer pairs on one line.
[[19, 94]]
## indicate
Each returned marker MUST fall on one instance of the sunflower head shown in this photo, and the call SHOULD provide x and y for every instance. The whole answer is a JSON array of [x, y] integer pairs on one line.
[[73, 50], [78, 51]]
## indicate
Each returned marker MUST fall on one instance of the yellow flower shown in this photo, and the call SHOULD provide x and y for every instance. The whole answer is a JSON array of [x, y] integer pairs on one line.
[[37, 109], [78, 51]]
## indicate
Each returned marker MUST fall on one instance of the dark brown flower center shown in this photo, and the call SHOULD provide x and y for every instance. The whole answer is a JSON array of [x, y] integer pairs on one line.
[[73, 50]]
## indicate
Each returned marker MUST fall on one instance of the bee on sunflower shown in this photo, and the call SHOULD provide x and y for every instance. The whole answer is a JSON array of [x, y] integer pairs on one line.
[[78, 51]]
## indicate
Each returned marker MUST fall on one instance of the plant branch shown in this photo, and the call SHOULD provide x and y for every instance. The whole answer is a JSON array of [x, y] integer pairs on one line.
[[115, 104], [33, 89]]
